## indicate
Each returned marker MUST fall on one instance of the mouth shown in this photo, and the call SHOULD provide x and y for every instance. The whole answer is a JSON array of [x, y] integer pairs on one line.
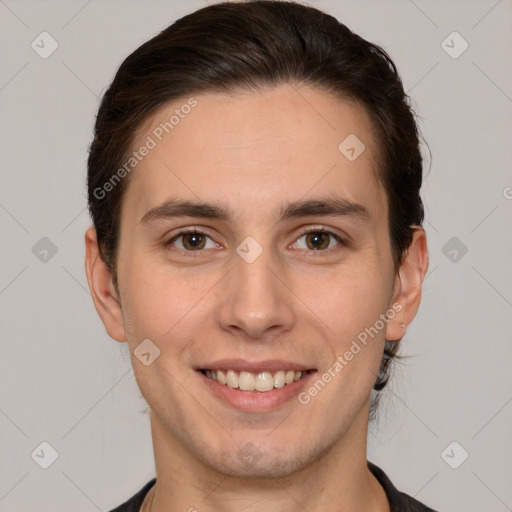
[[261, 382], [255, 387]]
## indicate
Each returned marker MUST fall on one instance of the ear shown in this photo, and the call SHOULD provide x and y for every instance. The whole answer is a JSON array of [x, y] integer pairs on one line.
[[408, 283], [103, 293]]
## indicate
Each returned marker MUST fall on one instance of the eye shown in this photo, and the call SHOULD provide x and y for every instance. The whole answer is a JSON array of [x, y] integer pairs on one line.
[[318, 239], [195, 240], [192, 240]]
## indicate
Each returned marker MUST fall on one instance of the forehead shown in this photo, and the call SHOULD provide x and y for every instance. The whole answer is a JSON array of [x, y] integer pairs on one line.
[[272, 146]]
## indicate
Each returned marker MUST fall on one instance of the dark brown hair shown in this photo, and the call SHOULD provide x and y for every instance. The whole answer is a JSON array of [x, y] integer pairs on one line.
[[229, 47]]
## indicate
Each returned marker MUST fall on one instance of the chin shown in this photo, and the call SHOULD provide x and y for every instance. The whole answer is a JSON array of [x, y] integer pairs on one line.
[[266, 468], [264, 459]]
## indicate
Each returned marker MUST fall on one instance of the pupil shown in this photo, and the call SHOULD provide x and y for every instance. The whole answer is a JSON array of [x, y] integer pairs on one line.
[[317, 239], [194, 239]]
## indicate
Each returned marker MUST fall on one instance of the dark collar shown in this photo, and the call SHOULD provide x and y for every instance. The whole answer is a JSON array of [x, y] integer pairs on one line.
[[398, 501]]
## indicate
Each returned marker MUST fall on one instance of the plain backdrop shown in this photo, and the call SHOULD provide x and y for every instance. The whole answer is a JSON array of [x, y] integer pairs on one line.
[[64, 382]]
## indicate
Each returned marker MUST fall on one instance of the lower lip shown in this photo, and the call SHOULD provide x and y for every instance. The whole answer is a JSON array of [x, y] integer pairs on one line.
[[256, 401]]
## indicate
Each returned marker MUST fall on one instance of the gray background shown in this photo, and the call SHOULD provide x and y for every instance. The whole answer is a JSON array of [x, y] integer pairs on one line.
[[63, 381]]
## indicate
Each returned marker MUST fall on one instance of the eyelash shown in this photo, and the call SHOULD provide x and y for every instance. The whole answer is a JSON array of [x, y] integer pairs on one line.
[[303, 232]]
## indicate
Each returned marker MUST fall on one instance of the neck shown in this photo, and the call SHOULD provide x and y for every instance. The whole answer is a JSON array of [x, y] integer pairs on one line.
[[339, 475]]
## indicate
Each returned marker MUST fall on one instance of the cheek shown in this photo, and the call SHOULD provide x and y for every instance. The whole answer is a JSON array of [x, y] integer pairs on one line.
[[351, 316], [162, 308], [349, 304], [346, 300], [162, 302]]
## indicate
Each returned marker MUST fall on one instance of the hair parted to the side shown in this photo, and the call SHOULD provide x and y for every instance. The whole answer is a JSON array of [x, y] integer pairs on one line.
[[231, 47]]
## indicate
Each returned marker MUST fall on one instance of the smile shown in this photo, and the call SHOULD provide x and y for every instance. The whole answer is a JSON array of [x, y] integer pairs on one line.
[[255, 381], [255, 387]]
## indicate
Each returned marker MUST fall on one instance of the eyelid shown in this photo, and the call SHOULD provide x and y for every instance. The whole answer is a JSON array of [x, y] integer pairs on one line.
[[169, 241], [342, 239], [320, 227]]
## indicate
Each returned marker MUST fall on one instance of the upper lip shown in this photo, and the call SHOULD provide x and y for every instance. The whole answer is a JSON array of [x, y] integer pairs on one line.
[[241, 365]]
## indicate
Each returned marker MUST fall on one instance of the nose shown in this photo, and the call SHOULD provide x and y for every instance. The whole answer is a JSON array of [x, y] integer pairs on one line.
[[255, 301]]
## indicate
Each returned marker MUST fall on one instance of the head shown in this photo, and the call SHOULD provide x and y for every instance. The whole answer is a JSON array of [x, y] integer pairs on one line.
[[250, 109]]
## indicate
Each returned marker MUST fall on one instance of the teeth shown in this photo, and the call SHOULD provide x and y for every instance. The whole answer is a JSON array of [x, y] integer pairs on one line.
[[264, 382], [279, 379], [247, 381], [232, 379], [290, 377]]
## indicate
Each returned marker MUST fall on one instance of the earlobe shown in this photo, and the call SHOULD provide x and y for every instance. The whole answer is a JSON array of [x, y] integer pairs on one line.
[[408, 285], [103, 293]]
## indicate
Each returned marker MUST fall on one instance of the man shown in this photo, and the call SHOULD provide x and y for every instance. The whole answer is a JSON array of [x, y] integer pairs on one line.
[[254, 186]]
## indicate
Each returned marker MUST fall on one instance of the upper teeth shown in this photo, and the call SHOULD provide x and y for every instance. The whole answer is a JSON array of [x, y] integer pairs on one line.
[[246, 381]]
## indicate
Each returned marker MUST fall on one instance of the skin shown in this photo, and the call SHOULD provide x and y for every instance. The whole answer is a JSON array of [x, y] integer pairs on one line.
[[254, 152]]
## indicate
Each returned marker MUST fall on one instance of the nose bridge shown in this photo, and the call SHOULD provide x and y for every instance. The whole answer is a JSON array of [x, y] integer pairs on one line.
[[253, 298]]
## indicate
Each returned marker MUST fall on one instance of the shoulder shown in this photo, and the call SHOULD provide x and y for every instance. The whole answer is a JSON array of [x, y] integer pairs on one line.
[[398, 501], [135, 502]]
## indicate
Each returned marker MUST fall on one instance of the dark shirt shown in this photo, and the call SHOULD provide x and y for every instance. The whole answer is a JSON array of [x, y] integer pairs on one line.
[[398, 501]]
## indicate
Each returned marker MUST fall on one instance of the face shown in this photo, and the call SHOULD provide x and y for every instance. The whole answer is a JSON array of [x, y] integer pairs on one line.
[[268, 287]]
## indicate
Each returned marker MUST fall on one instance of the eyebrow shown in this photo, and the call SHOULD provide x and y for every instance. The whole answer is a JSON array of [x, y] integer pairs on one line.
[[334, 206]]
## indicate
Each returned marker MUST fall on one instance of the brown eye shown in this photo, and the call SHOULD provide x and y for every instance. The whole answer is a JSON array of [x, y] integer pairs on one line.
[[193, 241], [318, 240]]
